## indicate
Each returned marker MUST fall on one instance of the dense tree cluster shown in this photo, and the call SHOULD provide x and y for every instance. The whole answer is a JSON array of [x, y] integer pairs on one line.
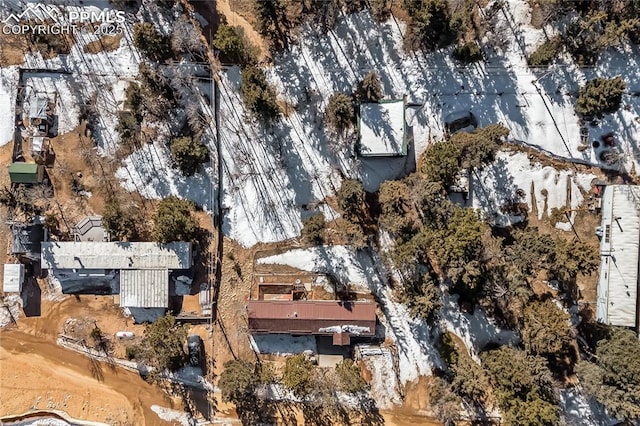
[[614, 379], [313, 229], [121, 222]]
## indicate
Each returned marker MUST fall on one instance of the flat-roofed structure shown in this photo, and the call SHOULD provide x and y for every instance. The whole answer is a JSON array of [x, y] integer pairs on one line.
[[116, 255], [13, 277], [382, 129], [340, 319], [617, 302], [144, 288]]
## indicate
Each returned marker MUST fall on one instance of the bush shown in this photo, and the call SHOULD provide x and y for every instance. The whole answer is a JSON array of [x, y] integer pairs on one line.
[[370, 88], [339, 113], [313, 229], [233, 45], [600, 96], [467, 53], [258, 96], [188, 153], [132, 352], [238, 381], [423, 297], [381, 9], [396, 205], [150, 42], [546, 329], [174, 222], [545, 53]]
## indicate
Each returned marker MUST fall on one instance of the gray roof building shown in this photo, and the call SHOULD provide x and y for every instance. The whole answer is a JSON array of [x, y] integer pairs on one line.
[[116, 255], [144, 288]]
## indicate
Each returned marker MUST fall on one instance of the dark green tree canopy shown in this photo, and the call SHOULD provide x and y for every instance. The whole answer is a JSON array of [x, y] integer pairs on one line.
[[258, 95], [173, 220], [601, 96], [188, 153], [153, 44], [614, 381], [238, 381], [298, 375], [339, 112], [370, 88], [162, 345]]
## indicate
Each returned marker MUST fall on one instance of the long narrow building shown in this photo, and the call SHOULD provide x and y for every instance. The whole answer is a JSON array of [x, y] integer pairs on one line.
[[619, 249]]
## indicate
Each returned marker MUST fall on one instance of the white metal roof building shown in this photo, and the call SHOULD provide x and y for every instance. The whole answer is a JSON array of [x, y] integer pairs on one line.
[[116, 255], [382, 129], [144, 288], [13, 277], [617, 302]]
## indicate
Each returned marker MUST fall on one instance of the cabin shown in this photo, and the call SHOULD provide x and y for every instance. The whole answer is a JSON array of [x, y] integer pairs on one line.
[[382, 129], [339, 319]]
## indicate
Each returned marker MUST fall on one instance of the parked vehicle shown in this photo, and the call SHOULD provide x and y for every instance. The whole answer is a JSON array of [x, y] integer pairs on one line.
[[195, 349], [460, 121]]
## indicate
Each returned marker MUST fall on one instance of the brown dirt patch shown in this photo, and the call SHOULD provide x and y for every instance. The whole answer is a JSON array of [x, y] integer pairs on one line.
[[42, 372], [12, 48], [106, 43]]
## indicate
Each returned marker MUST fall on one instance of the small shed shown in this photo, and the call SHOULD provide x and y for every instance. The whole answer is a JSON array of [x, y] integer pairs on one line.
[[382, 129], [31, 173], [13, 277]]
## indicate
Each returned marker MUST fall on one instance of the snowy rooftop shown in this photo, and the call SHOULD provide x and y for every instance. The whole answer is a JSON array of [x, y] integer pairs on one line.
[[144, 288], [115, 255], [382, 129], [618, 281], [13, 277]]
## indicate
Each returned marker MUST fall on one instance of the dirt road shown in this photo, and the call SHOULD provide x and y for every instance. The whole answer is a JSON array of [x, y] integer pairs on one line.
[[38, 373]]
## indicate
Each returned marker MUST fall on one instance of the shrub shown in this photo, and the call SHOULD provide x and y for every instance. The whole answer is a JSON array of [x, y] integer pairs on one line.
[[258, 95], [381, 9], [467, 53], [238, 381], [188, 153], [600, 96], [162, 345], [313, 229], [174, 222], [546, 329], [339, 113], [545, 53], [370, 88], [150, 42]]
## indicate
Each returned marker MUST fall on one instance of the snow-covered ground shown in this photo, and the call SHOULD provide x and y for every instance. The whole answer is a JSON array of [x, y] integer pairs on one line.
[[477, 330], [12, 309], [173, 416], [8, 92], [497, 184], [576, 410]]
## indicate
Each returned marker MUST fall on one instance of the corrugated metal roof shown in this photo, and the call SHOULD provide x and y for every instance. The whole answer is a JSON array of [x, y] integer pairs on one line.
[[619, 249], [144, 288], [314, 317], [13, 277], [115, 255]]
